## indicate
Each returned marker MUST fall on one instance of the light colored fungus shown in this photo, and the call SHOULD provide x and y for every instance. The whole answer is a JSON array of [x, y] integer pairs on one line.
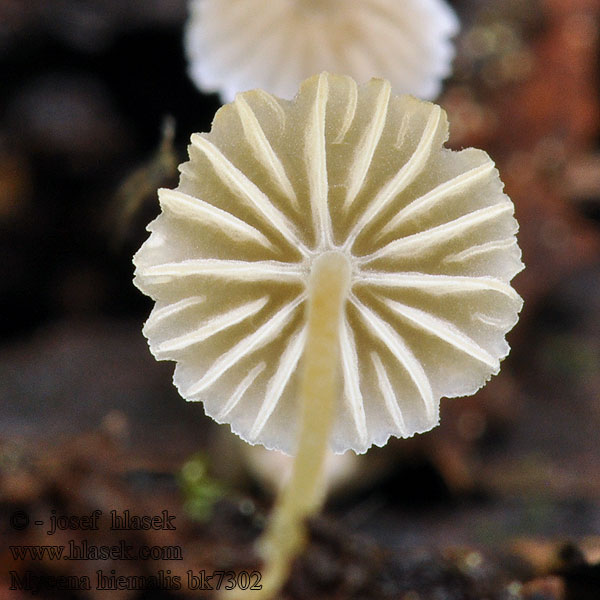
[[235, 45], [426, 235], [335, 233]]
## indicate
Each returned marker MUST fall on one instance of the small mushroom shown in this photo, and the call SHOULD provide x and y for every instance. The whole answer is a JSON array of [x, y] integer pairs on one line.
[[235, 45], [325, 272]]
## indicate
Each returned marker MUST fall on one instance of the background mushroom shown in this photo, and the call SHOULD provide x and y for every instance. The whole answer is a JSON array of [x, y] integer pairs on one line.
[[238, 45], [333, 232]]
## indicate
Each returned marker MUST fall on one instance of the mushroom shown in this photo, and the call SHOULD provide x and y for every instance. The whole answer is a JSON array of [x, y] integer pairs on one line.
[[237, 45], [324, 273]]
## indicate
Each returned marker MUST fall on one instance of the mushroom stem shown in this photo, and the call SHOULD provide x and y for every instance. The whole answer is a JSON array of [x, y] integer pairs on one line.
[[285, 536]]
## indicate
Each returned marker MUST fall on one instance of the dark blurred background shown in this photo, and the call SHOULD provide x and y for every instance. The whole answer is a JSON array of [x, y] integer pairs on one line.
[[85, 89], [96, 109]]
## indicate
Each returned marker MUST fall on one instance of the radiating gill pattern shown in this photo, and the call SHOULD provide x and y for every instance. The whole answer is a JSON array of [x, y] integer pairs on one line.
[[428, 232], [237, 45]]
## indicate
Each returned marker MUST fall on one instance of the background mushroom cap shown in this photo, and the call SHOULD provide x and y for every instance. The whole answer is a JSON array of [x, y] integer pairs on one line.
[[237, 45], [428, 231]]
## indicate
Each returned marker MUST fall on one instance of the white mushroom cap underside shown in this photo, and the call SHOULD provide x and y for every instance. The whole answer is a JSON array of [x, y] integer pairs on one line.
[[236, 45], [428, 232]]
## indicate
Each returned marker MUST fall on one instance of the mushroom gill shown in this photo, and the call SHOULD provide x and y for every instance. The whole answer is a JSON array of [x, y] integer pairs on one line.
[[427, 233]]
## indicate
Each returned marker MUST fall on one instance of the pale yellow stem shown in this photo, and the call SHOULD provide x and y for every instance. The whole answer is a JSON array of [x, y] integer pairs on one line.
[[303, 496]]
